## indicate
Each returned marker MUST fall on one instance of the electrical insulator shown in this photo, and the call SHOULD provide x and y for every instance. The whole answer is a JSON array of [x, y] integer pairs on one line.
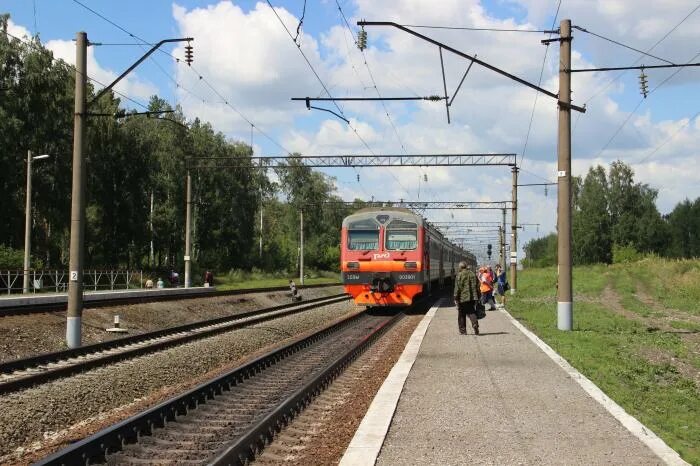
[[188, 54], [362, 39], [643, 84], [425, 177], [545, 190], [358, 177]]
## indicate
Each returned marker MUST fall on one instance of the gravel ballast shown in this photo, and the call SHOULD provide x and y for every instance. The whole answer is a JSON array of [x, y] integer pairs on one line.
[[320, 434], [30, 420], [27, 335]]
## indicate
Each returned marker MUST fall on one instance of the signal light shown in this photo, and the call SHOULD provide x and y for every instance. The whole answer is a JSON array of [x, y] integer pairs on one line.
[[188, 54], [488, 250]]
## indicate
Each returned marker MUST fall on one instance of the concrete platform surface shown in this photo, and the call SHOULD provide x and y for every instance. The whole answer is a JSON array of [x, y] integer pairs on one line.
[[97, 296], [499, 399]]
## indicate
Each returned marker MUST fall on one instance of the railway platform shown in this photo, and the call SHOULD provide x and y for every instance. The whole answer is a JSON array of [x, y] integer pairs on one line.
[[99, 296], [503, 397]]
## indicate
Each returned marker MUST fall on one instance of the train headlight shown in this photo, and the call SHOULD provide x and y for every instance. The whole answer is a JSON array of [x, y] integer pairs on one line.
[[353, 265], [410, 265]]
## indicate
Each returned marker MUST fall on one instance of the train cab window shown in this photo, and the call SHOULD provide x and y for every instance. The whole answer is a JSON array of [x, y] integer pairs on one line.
[[363, 235], [401, 235]]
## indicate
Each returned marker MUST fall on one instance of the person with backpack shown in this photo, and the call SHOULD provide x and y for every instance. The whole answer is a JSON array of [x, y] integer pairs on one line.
[[466, 295]]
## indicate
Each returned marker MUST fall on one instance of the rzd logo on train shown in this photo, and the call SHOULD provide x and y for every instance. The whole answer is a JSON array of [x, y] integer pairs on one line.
[[382, 255]]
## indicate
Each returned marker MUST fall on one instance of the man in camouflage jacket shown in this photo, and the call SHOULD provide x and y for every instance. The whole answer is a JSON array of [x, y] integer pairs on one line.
[[466, 295]]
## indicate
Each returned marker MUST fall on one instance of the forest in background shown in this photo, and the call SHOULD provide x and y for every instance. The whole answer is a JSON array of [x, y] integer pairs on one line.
[[615, 219], [133, 158]]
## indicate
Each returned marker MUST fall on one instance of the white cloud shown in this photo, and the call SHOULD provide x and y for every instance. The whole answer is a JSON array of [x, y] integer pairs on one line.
[[251, 60], [18, 30], [131, 85]]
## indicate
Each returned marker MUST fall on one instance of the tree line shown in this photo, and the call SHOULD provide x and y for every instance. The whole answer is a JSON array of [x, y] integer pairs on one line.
[[616, 219], [136, 171]]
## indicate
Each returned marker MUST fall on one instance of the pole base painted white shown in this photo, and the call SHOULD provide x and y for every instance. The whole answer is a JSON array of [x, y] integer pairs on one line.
[[565, 316], [73, 329], [512, 291]]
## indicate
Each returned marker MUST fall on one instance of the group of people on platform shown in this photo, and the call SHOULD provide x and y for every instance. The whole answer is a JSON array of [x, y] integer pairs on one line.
[[492, 284], [481, 287]]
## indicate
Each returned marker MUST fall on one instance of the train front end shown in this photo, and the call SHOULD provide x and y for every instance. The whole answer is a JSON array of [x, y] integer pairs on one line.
[[382, 257]]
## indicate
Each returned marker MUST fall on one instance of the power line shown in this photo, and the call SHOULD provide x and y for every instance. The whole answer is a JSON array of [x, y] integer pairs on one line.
[[41, 49], [323, 85], [539, 83], [640, 103], [619, 43], [199, 75], [376, 88], [675, 133], [613, 80]]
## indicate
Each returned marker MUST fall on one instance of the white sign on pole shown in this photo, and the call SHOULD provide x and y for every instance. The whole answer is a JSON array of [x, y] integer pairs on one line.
[[74, 275]]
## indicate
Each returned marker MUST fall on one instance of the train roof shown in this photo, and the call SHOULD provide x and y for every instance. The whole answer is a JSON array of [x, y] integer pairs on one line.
[[395, 213]]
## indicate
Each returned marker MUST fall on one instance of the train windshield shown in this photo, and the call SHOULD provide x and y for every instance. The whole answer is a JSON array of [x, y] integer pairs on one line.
[[401, 235], [363, 235]]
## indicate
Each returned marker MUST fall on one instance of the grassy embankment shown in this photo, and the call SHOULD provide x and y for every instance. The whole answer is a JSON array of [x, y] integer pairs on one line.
[[636, 335], [239, 279]]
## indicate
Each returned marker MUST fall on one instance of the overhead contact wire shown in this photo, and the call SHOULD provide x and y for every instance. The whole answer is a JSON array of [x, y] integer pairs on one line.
[[199, 75]]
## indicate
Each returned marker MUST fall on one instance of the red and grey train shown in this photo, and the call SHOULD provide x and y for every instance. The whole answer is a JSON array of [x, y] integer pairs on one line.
[[390, 255]]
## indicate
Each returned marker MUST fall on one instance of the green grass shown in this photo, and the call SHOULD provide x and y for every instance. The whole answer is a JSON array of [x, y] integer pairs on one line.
[[609, 349]]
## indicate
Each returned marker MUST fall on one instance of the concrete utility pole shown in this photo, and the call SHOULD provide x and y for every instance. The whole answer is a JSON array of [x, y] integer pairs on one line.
[[301, 247], [514, 234], [188, 236], [75, 283], [565, 313]]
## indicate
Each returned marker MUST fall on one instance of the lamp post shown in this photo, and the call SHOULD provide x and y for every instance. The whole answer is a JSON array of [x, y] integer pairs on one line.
[[28, 219]]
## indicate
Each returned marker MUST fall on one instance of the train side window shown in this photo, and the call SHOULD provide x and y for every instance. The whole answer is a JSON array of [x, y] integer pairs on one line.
[[363, 235], [401, 235]]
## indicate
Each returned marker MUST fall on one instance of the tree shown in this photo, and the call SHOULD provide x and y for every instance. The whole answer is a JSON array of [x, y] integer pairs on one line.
[[541, 252], [591, 220], [684, 229]]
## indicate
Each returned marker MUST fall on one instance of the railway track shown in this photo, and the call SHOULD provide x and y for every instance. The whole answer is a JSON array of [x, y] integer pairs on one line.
[[232, 417], [26, 372], [39, 308]]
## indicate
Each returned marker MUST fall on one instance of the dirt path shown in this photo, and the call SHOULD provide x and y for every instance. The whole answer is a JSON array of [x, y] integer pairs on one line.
[[662, 323]]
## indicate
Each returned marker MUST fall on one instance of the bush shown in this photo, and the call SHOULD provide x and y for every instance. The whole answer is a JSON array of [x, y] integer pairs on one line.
[[625, 254], [13, 259]]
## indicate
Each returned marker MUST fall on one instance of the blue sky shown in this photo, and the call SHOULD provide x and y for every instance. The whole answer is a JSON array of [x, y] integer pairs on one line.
[[242, 50]]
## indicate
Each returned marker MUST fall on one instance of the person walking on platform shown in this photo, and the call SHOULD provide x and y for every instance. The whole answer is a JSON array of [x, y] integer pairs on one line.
[[501, 283], [466, 295], [486, 287]]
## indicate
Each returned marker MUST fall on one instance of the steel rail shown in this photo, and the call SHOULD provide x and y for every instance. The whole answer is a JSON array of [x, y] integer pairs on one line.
[[259, 435], [190, 333], [112, 439]]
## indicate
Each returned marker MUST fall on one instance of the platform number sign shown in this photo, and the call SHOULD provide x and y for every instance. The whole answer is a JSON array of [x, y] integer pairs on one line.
[[74, 275]]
